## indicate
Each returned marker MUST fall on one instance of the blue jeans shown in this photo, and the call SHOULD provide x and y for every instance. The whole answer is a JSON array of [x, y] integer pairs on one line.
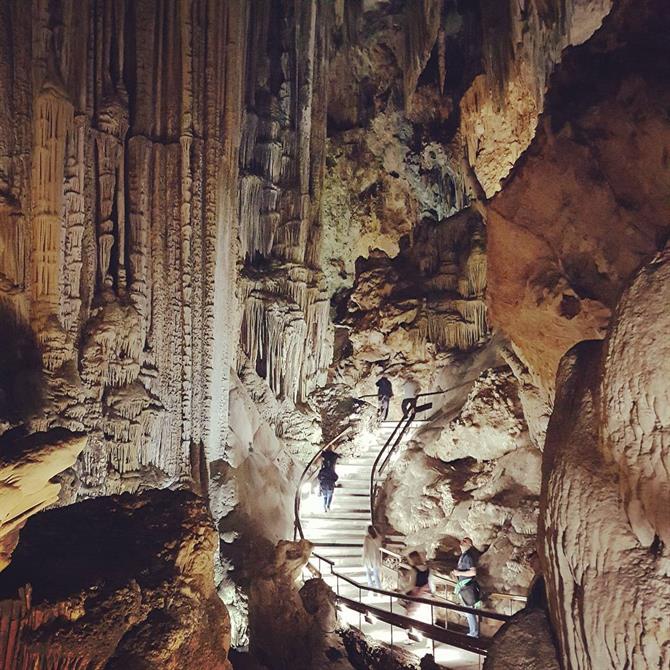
[[473, 622], [373, 577], [327, 500]]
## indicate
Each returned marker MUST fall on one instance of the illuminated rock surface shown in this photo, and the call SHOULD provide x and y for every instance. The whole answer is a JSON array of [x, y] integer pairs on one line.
[[222, 222]]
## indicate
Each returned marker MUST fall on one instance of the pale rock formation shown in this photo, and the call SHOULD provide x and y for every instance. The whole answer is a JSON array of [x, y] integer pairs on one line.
[[575, 221], [112, 173], [521, 43], [606, 489], [495, 397], [421, 316], [120, 582], [476, 476], [28, 467], [377, 187]]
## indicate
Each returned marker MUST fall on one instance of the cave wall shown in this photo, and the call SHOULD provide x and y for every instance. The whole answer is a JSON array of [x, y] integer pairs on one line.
[[606, 491], [588, 203], [160, 172], [117, 172]]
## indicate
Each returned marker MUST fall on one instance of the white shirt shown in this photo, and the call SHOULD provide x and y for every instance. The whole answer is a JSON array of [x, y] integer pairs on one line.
[[371, 546]]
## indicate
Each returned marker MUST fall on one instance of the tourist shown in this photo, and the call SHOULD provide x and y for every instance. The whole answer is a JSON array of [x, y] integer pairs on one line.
[[422, 586], [327, 478], [384, 394], [467, 588], [371, 557]]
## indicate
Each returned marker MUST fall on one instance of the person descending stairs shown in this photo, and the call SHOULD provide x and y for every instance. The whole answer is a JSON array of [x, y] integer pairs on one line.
[[338, 534]]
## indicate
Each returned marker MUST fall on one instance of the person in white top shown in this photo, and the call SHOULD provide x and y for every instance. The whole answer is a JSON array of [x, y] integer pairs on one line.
[[371, 557]]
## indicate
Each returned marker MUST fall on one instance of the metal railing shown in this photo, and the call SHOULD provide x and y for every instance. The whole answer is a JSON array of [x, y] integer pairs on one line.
[[411, 408], [307, 475], [436, 633], [450, 583]]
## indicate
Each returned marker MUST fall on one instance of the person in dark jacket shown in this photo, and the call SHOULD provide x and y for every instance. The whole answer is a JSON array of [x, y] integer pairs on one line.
[[467, 588], [327, 478], [421, 585], [384, 394]]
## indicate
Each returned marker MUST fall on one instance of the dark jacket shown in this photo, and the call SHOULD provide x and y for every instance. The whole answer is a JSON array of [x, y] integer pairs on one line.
[[327, 478]]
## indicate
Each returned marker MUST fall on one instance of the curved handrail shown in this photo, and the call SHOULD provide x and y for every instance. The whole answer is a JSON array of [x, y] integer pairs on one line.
[[387, 451], [430, 630], [452, 582], [443, 604], [297, 526], [394, 438]]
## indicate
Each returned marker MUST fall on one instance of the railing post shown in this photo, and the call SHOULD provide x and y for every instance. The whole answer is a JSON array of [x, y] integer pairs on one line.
[[360, 624], [391, 610], [432, 623]]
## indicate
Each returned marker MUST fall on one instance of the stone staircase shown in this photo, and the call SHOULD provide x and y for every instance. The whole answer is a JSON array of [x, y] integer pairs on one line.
[[338, 535]]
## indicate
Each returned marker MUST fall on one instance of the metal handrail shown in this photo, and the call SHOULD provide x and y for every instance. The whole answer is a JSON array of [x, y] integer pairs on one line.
[[436, 633], [449, 580], [394, 438], [297, 526], [413, 408]]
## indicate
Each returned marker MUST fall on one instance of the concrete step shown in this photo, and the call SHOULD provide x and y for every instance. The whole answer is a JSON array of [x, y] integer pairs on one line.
[[339, 515], [333, 524]]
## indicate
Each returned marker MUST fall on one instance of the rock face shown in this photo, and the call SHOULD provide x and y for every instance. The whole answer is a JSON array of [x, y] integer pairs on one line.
[[476, 476], [524, 643], [574, 220], [111, 173], [28, 467], [290, 628], [521, 43], [606, 488], [120, 582], [148, 154]]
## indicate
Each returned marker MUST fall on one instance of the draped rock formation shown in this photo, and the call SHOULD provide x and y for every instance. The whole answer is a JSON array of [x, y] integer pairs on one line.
[[116, 159], [606, 491]]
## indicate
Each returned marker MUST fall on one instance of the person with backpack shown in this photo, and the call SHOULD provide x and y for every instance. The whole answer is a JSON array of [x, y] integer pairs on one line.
[[467, 588], [384, 395], [327, 478]]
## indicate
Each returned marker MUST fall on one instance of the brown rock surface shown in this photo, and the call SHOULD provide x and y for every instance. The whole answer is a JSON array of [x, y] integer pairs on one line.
[[290, 628], [122, 582], [523, 643], [588, 202], [606, 492]]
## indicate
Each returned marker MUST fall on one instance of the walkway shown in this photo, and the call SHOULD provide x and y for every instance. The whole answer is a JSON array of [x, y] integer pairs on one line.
[[338, 539]]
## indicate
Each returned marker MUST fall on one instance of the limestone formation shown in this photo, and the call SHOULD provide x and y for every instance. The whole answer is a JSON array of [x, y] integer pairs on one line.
[[604, 506], [222, 222], [476, 476], [120, 582], [289, 628], [575, 220], [28, 467], [524, 643]]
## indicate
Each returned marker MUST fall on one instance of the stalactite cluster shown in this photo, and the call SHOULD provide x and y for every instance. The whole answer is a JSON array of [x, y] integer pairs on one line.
[[285, 321], [118, 172]]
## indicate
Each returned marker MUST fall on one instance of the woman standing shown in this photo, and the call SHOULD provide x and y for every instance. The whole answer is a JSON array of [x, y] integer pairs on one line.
[[371, 558]]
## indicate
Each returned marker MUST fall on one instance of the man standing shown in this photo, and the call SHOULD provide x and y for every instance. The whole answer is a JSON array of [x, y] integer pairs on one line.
[[384, 394], [467, 588]]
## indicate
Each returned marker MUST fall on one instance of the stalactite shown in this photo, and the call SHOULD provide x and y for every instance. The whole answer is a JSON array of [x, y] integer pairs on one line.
[[53, 120]]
